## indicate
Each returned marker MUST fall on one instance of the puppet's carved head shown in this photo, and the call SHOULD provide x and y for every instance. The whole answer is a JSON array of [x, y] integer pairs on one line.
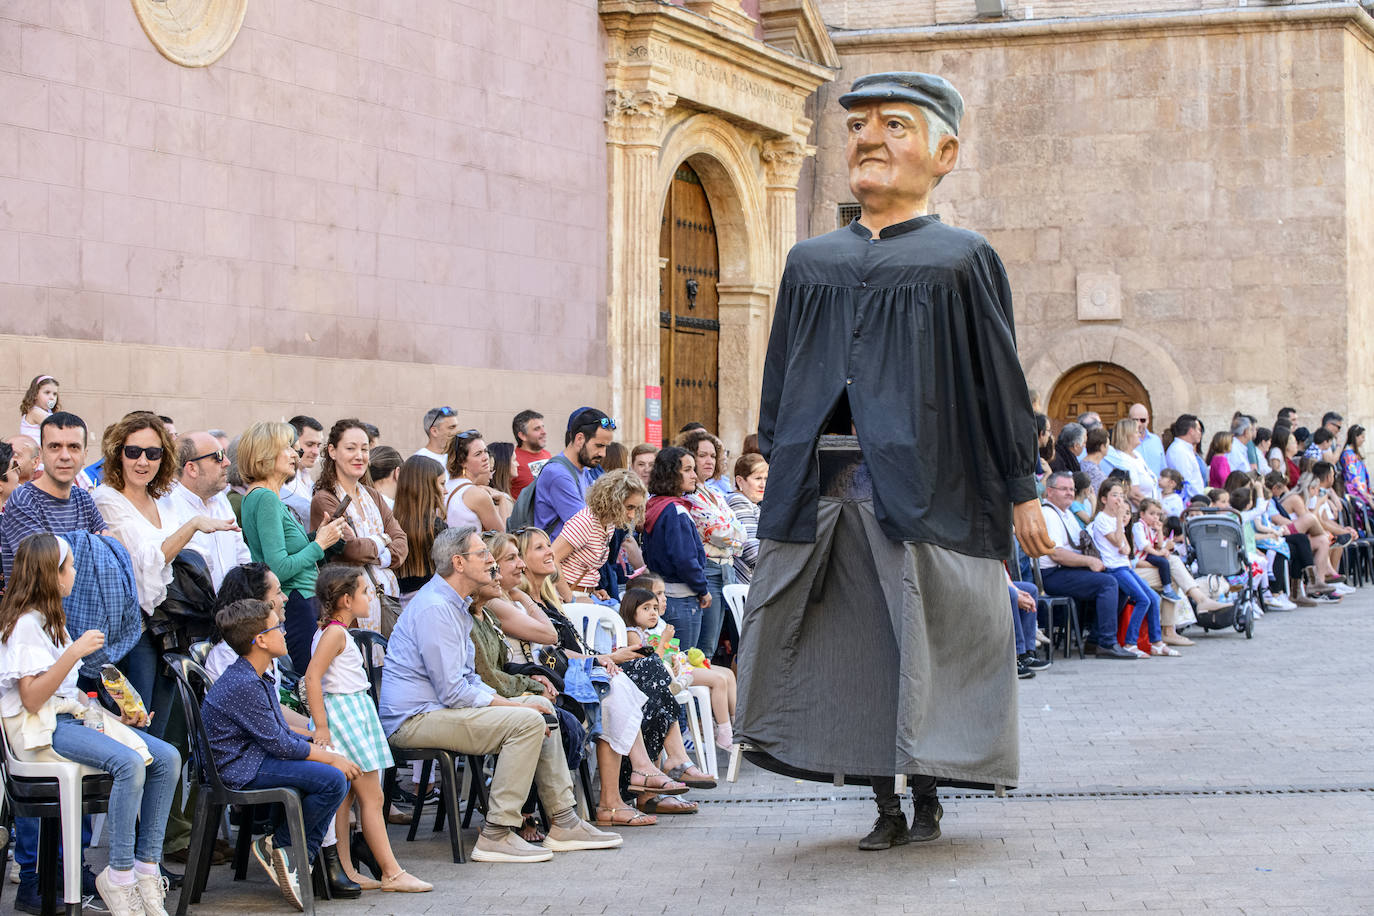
[[902, 138]]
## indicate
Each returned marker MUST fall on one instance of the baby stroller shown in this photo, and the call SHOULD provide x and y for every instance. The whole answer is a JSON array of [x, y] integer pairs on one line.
[[1216, 543]]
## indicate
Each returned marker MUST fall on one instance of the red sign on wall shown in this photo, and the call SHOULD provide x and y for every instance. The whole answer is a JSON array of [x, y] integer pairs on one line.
[[653, 414]]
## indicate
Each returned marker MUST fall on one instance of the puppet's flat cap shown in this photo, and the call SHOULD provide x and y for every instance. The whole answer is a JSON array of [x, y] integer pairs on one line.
[[925, 90]]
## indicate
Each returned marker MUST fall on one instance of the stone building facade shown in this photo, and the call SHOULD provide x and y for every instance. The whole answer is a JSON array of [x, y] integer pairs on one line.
[[370, 208], [375, 208], [1182, 196]]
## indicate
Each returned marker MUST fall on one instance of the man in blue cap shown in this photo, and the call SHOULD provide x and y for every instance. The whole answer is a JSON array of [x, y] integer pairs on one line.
[[899, 434]]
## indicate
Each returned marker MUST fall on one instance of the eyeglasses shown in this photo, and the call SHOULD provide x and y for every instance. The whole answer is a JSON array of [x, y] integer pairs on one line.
[[133, 452], [280, 626], [484, 553], [217, 455]]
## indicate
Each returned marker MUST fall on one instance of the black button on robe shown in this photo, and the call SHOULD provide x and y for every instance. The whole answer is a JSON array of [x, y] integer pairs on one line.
[[915, 328]]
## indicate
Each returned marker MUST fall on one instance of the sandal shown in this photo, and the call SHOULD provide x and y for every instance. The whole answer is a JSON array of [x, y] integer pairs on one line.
[[667, 786], [698, 780], [660, 804], [529, 830], [636, 819]]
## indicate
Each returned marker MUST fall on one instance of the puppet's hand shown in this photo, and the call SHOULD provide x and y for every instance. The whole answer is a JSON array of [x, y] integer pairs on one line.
[[1030, 529]]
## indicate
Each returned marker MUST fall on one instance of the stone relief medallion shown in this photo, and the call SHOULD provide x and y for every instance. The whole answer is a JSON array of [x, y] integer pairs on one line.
[[193, 33]]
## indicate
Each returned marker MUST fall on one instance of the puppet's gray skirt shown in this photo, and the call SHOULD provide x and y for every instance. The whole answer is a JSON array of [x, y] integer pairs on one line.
[[865, 657]]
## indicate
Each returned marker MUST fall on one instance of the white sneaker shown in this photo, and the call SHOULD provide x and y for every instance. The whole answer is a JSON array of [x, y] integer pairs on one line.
[[583, 836], [122, 899], [153, 891], [1343, 589], [510, 848], [1279, 603]]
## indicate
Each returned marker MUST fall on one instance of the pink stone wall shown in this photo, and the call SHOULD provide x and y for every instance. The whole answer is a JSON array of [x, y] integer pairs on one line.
[[418, 182]]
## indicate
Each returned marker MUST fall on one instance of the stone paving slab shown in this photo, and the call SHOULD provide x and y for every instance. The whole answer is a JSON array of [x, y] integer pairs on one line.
[[1288, 709]]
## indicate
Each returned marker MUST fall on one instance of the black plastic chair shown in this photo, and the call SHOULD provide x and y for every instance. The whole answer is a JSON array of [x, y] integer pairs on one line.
[[1073, 634], [192, 683], [371, 645], [27, 796]]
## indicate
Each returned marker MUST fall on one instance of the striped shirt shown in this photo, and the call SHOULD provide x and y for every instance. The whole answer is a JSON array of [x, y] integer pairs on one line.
[[31, 510], [590, 541]]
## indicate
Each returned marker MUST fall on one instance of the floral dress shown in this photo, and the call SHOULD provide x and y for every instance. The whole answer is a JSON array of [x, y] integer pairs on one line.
[[1356, 476]]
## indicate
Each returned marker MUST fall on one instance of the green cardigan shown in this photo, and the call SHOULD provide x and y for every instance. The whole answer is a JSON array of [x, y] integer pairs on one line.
[[276, 538], [489, 658]]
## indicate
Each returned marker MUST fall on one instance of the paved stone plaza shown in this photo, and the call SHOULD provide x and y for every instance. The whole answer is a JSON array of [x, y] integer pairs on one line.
[[1236, 779]]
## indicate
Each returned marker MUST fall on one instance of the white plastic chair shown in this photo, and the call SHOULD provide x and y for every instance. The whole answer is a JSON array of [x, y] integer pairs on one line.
[[69, 777], [735, 597]]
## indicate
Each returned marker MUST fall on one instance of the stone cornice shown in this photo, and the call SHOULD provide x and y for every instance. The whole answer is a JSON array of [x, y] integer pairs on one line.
[[633, 23], [1237, 19]]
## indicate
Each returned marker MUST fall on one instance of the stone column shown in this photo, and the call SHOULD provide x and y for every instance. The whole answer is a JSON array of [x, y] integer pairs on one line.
[[634, 134], [782, 162]]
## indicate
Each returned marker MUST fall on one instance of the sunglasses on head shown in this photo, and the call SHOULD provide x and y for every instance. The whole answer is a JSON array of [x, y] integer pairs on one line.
[[469, 434], [153, 453], [444, 412]]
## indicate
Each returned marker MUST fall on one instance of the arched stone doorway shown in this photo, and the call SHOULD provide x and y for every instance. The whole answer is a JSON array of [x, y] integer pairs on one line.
[[1105, 388], [696, 86], [689, 316]]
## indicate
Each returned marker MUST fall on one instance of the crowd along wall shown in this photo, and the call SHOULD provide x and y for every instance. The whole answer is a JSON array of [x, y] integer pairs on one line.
[[1195, 172], [361, 208]]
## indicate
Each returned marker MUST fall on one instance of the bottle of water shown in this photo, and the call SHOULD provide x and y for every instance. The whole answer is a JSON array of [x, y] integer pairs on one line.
[[95, 716]]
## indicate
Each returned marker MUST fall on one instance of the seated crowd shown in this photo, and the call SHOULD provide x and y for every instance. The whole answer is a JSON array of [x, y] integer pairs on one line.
[[1115, 501], [263, 554]]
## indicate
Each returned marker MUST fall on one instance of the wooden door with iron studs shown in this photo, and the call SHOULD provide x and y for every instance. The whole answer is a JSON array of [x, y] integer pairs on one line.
[[689, 316]]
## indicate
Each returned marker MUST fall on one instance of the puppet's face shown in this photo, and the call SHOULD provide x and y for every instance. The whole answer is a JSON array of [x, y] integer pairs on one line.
[[889, 155]]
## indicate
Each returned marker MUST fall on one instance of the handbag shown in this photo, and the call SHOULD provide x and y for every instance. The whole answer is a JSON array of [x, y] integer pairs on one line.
[[389, 607]]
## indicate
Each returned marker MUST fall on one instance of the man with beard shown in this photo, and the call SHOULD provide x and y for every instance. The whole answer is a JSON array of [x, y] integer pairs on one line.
[[561, 491], [899, 434]]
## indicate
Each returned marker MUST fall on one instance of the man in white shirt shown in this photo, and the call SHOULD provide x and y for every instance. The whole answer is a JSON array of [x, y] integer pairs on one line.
[[202, 472], [441, 425], [1182, 455], [1242, 431], [1067, 571], [299, 490]]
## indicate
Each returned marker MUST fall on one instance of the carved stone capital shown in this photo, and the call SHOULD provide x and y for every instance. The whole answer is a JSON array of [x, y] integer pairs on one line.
[[783, 158], [636, 116]]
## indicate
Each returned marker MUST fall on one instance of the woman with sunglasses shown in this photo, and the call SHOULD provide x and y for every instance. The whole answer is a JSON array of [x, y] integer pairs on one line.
[[135, 503], [469, 499]]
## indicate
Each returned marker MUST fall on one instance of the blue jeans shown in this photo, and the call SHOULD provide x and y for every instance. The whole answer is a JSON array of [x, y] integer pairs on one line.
[[684, 614], [1023, 621], [717, 577], [322, 789], [1084, 585], [302, 620], [1146, 603], [141, 793]]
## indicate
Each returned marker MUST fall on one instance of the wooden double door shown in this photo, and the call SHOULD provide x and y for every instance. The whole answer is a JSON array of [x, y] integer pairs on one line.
[[1106, 388], [689, 309]]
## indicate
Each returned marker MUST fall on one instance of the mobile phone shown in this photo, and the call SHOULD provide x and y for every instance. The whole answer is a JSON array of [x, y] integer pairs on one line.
[[343, 507], [643, 649]]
